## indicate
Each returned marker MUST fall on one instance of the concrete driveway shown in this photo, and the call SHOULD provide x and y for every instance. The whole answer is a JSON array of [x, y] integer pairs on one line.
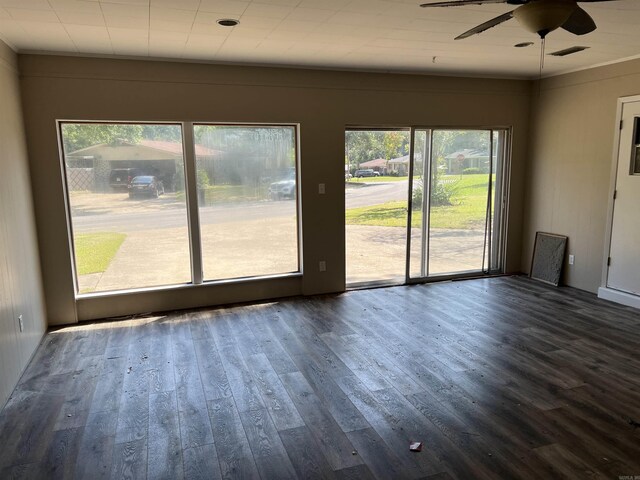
[[380, 253], [156, 249], [161, 257]]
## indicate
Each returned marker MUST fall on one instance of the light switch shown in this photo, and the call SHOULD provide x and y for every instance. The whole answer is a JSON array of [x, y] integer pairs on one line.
[[321, 188]]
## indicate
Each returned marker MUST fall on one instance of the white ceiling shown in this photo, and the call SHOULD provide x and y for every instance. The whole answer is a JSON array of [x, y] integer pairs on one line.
[[386, 35]]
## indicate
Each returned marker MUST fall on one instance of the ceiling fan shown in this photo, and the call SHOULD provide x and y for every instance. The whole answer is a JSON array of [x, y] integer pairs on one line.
[[537, 16]]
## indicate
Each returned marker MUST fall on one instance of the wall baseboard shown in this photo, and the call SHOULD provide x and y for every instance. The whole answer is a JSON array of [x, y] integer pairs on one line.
[[619, 297]]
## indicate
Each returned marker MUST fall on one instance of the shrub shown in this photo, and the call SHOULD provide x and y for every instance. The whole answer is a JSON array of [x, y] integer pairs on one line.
[[471, 171], [442, 193], [417, 198], [203, 179]]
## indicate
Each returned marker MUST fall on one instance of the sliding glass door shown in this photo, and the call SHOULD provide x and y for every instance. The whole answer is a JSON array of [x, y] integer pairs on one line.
[[376, 189], [423, 203], [456, 202]]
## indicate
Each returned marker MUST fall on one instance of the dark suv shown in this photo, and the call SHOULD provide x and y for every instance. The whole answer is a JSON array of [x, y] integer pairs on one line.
[[366, 173], [120, 178]]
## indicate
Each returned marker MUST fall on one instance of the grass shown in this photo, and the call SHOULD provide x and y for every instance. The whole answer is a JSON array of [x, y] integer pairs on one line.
[[94, 251], [467, 211], [229, 193], [376, 179]]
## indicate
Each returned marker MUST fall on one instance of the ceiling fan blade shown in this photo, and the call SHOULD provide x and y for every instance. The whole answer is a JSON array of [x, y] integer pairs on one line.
[[459, 3], [579, 23], [486, 25]]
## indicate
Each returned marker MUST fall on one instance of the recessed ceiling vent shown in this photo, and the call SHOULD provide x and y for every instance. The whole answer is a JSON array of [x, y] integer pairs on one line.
[[568, 51], [228, 22]]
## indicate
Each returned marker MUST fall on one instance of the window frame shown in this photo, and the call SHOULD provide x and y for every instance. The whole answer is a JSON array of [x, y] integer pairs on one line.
[[191, 202]]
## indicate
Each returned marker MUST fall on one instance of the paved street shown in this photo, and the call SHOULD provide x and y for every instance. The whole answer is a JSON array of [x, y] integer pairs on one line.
[[115, 212], [364, 195], [154, 215]]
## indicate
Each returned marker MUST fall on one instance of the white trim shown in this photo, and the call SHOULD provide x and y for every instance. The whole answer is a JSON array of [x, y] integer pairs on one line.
[[617, 296], [589, 67]]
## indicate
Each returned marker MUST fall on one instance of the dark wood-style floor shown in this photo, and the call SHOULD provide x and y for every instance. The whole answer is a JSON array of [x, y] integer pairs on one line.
[[500, 378]]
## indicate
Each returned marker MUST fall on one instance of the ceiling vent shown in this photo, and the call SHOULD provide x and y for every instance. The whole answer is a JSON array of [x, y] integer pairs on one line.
[[568, 51], [228, 22]]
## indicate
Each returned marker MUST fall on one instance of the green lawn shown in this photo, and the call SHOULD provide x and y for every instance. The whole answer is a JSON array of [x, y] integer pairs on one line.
[[233, 193], [229, 193], [376, 179], [468, 209], [94, 251]]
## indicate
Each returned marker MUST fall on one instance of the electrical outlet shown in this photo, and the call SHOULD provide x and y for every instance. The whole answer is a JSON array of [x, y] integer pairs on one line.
[[321, 189], [572, 259], [322, 266], [20, 323]]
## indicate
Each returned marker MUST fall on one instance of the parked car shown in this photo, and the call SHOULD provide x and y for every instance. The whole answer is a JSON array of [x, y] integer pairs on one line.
[[366, 173], [145, 185], [120, 178], [283, 189]]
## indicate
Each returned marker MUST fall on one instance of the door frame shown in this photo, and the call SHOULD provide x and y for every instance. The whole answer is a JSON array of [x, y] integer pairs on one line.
[[604, 291], [501, 227]]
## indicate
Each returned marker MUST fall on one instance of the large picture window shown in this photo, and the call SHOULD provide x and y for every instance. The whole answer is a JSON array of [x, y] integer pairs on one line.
[[247, 185], [128, 193]]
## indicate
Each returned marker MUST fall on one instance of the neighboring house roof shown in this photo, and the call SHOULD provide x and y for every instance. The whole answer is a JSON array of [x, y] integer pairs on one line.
[[144, 150], [176, 147], [399, 160], [378, 162], [468, 153]]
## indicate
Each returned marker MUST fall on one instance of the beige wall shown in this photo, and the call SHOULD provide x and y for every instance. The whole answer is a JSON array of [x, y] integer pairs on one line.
[[572, 141], [323, 102], [20, 288]]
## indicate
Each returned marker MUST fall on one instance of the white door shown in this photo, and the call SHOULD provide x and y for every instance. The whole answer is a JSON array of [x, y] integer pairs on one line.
[[624, 267]]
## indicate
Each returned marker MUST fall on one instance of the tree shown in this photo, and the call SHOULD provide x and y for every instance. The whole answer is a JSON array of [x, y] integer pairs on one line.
[[166, 133], [248, 155], [360, 146], [444, 143], [82, 135], [395, 144], [364, 145]]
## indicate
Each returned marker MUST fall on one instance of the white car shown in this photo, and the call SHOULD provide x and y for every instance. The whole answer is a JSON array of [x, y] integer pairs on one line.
[[282, 189]]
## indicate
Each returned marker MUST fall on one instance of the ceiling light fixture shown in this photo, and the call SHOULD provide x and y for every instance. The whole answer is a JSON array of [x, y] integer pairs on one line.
[[228, 22], [544, 16]]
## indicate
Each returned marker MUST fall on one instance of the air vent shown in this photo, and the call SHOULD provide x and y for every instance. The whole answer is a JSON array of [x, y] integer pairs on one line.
[[228, 22], [568, 51]]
